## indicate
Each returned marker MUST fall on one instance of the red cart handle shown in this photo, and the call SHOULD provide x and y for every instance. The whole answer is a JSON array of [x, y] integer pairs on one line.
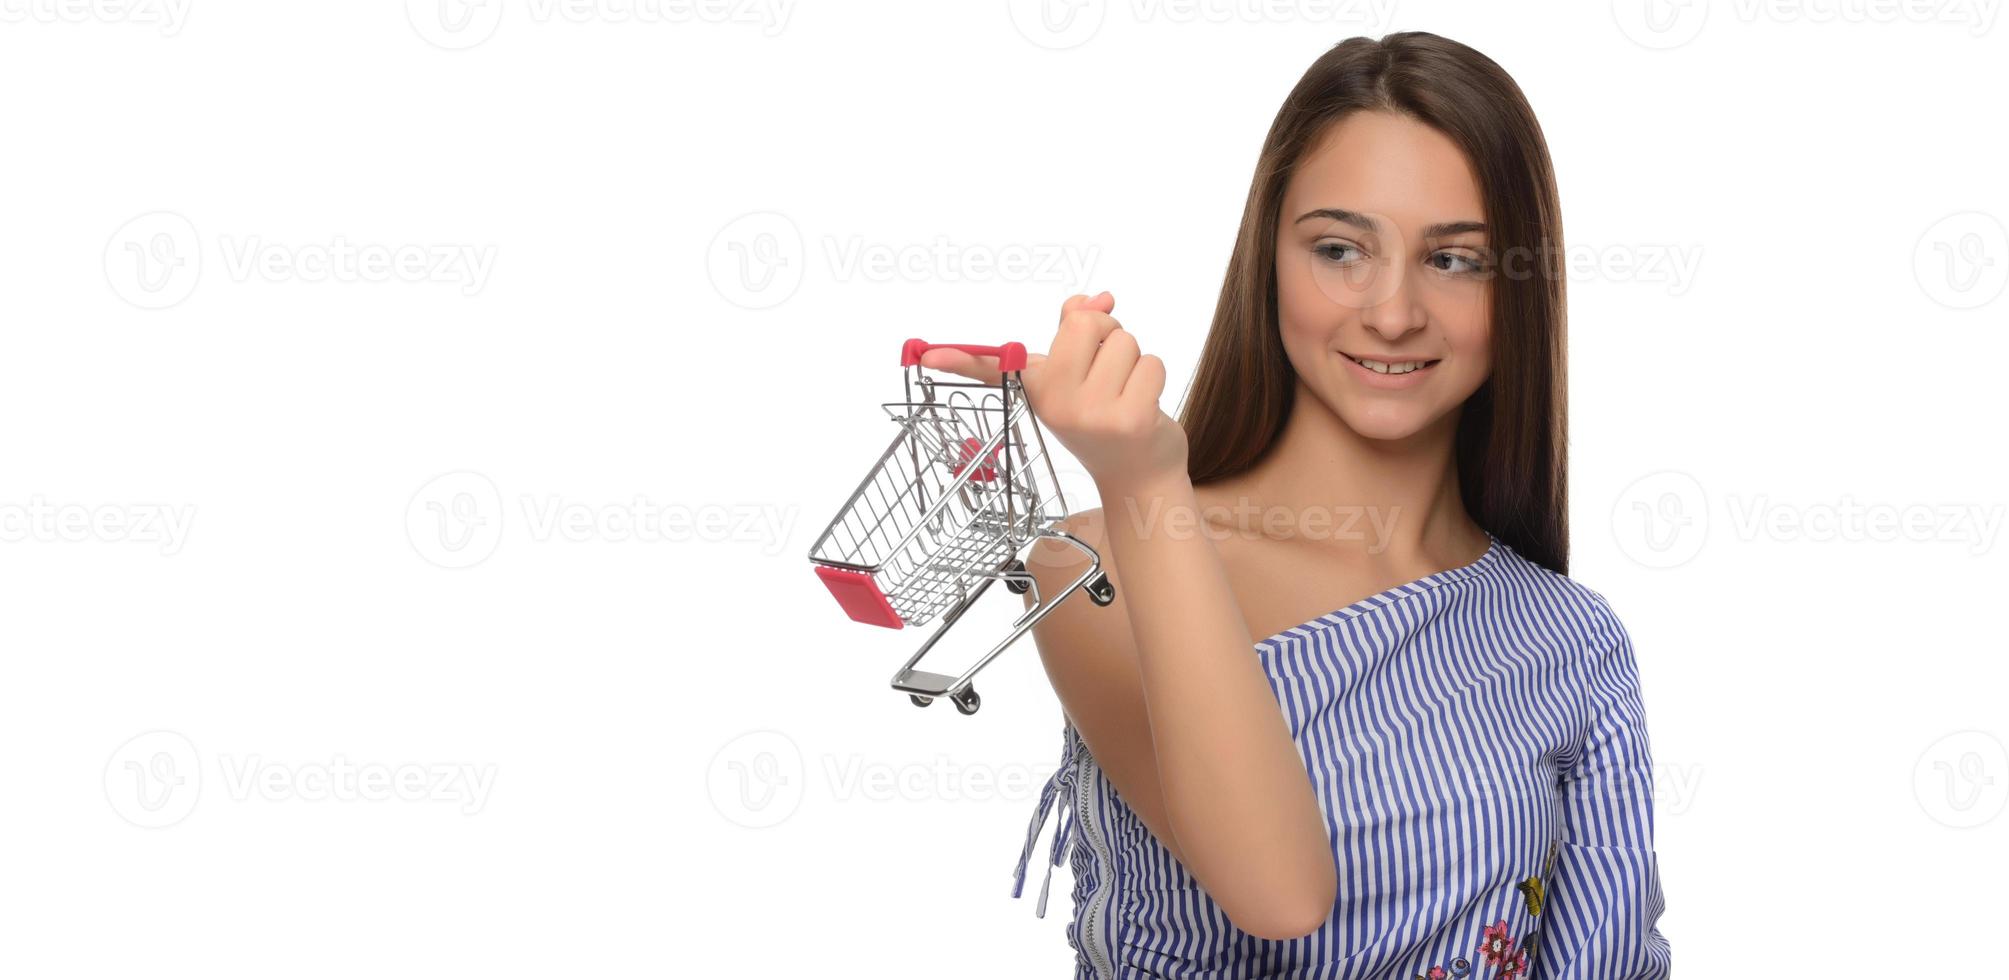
[[1011, 357]]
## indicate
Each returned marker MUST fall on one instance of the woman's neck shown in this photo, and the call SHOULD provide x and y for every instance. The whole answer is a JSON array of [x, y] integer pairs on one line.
[[1391, 503]]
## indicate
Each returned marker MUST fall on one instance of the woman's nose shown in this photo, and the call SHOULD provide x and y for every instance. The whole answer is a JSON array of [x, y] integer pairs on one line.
[[1394, 312]]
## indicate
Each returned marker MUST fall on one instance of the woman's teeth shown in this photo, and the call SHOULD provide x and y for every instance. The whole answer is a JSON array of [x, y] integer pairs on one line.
[[1384, 367]]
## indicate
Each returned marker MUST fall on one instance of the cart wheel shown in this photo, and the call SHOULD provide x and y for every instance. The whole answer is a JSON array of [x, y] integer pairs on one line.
[[967, 701], [919, 701], [1017, 585], [1100, 590]]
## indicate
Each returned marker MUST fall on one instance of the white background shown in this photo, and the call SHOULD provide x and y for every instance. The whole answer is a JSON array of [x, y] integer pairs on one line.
[[236, 249]]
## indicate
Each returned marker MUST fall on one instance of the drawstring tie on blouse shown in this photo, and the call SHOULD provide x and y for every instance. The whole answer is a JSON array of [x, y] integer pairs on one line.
[[1061, 784]]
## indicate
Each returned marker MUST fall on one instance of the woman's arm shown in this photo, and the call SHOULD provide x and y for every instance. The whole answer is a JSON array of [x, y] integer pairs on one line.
[[1604, 901], [1172, 701], [1091, 657], [1236, 793]]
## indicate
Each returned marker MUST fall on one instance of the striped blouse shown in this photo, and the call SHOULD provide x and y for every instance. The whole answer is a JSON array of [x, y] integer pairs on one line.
[[1477, 744]]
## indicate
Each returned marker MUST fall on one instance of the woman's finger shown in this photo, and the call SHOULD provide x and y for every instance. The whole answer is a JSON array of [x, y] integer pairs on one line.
[[1146, 382], [1113, 361], [1079, 352], [1102, 302], [1082, 329], [976, 367], [952, 361]]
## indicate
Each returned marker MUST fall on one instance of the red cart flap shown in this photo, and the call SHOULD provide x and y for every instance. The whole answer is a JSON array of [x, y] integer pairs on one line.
[[860, 596]]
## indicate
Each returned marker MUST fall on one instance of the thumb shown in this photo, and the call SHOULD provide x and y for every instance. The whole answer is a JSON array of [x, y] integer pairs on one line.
[[1102, 302]]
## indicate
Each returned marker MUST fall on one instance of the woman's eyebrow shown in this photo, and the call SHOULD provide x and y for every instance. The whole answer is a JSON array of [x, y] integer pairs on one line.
[[1449, 228], [1443, 229], [1360, 221]]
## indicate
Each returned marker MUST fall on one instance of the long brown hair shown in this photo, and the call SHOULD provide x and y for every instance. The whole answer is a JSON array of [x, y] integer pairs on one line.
[[1512, 432]]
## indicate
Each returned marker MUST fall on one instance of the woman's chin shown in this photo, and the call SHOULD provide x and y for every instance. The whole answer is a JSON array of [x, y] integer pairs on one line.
[[1376, 415], [1386, 426]]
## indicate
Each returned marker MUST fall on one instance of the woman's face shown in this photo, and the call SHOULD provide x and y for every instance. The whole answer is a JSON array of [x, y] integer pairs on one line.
[[1382, 256]]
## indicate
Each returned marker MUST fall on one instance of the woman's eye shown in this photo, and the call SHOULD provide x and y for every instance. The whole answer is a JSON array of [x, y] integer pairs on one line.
[[1455, 263], [1337, 252]]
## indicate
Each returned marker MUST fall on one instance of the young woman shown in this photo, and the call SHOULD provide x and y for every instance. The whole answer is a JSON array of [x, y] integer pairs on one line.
[[1448, 776]]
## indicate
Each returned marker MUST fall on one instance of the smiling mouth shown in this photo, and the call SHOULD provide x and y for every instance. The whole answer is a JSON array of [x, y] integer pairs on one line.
[[1390, 367]]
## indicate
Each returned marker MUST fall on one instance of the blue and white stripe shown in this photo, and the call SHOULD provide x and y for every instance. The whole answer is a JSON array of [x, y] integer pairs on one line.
[[1464, 733]]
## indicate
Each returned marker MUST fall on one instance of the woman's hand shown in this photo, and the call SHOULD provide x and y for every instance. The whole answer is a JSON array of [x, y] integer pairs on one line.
[[1095, 392]]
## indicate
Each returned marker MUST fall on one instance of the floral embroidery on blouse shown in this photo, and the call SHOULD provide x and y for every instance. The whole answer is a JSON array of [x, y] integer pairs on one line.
[[1460, 969], [1495, 945], [1495, 948]]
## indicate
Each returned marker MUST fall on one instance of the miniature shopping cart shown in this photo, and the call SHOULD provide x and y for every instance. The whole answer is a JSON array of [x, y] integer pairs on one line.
[[954, 504]]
